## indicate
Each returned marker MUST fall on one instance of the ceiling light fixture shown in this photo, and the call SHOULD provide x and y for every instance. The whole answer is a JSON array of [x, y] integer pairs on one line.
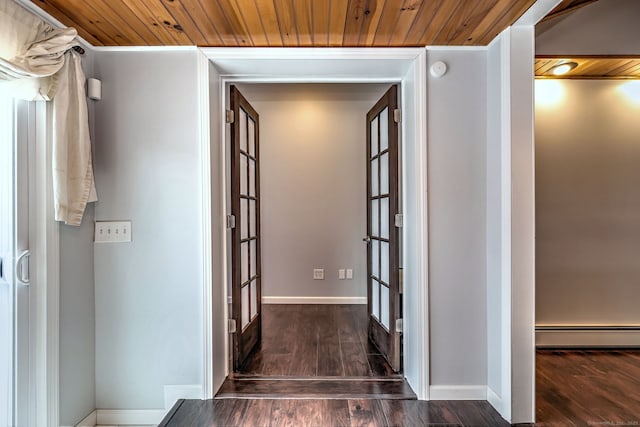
[[564, 68]]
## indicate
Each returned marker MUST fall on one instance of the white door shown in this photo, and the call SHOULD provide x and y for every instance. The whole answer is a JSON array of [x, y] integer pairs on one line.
[[14, 265]]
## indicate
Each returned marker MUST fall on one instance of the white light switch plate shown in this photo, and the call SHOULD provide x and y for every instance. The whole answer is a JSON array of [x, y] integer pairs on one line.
[[349, 273], [112, 231], [318, 274]]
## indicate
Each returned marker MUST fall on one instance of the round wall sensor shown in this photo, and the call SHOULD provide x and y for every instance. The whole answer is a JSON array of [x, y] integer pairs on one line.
[[438, 69]]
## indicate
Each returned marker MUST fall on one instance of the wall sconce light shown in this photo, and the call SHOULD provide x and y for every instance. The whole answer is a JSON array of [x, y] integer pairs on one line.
[[564, 68]]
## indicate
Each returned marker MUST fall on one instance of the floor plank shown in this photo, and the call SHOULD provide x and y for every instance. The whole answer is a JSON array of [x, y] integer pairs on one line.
[[366, 413], [587, 387], [416, 413]]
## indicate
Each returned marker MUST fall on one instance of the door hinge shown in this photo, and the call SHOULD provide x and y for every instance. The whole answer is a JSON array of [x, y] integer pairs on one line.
[[399, 325], [396, 115], [232, 326], [231, 221], [230, 116], [399, 220]]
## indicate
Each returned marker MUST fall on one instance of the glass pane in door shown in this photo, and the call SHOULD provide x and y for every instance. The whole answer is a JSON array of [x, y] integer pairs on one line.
[[252, 137], [245, 306], [243, 131], [384, 306], [384, 174], [384, 217], [384, 129], [374, 137], [375, 302], [374, 177], [375, 220]]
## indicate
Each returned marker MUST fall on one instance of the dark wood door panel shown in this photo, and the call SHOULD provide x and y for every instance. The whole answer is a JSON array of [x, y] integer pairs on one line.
[[246, 308], [383, 238]]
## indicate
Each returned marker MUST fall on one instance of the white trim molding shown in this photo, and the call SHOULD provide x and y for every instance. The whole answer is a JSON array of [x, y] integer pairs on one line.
[[206, 220], [341, 65], [500, 405], [314, 300], [130, 416], [458, 392], [575, 336], [457, 48], [314, 53], [90, 420], [144, 48]]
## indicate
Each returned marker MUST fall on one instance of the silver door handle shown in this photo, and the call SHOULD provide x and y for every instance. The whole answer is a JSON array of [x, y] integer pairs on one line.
[[21, 277], [367, 240]]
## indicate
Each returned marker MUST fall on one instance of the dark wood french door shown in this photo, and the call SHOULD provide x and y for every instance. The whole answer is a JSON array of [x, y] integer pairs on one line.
[[383, 249], [246, 290]]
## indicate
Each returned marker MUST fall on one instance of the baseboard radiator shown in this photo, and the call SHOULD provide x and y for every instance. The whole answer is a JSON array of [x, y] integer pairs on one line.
[[579, 336]]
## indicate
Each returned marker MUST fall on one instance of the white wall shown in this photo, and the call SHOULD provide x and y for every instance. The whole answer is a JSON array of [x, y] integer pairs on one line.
[[587, 204], [602, 28], [457, 137], [77, 385], [510, 225], [148, 292], [77, 321], [498, 176], [313, 185], [522, 297]]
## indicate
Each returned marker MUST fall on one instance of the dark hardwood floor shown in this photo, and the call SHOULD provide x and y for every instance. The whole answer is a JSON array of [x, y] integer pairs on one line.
[[588, 387], [330, 413], [316, 340]]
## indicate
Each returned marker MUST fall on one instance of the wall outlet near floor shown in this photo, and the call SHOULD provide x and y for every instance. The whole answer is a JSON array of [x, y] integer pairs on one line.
[[318, 274], [341, 274], [112, 231], [349, 273]]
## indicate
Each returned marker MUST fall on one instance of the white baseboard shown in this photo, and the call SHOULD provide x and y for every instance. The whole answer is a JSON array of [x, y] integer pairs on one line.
[[174, 392], [88, 421], [314, 300], [499, 404], [458, 392], [587, 336], [111, 417]]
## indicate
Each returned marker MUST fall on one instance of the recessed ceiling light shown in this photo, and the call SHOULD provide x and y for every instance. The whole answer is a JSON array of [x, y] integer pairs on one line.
[[563, 68]]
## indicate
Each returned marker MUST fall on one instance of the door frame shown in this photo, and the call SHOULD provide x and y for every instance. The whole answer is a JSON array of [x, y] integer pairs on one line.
[[219, 67]]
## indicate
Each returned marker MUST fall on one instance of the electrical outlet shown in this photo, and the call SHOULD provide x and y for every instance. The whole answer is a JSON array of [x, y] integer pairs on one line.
[[318, 274], [341, 274], [112, 231], [349, 273]]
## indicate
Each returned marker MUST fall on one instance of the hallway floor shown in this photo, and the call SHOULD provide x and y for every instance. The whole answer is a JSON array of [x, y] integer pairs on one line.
[[316, 340], [589, 387]]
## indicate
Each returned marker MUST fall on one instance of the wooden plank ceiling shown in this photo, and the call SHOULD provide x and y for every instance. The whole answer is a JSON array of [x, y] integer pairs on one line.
[[318, 23], [567, 6], [590, 67]]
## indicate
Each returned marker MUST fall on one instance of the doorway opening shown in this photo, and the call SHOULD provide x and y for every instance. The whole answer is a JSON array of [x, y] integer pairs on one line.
[[587, 205], [314, 189], [220, 67]]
